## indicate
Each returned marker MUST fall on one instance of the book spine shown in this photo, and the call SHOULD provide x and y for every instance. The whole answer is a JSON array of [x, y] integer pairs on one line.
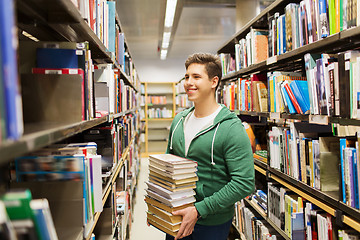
[[293, 98], [9, 44]]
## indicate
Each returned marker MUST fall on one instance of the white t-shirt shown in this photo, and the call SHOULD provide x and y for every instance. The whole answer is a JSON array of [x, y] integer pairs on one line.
[[194, 125]]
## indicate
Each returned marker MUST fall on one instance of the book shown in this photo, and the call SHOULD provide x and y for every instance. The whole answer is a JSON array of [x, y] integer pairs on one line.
[[167, 174], [165, 207], [170, 195], [163, 225], [7, 230], [167, 216], [10, 79], [170, 181], [52, 98], [301, 93], [329, 165], [43, 217], [170, 186], [76, 71]]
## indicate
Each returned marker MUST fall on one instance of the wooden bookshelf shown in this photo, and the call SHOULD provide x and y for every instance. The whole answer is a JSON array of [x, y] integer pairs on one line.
[[293, 60], [61, 21], [163, 89]]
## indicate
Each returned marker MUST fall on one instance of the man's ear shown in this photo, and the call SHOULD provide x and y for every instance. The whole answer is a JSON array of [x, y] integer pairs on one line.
[[214, 82]]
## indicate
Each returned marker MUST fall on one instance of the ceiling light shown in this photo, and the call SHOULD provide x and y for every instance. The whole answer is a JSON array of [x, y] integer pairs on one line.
[[170, 12], [28, 35]]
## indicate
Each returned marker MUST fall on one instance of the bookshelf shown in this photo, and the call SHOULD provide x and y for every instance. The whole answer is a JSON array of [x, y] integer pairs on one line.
[[342, 215], [182, 101], [60, 24], [159, 110]]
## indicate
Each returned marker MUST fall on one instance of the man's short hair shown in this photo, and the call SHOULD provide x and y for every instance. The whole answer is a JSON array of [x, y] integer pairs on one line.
[[212, 64]]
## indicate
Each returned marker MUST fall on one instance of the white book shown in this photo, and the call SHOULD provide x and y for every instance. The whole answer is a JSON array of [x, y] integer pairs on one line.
[[170, 194], [171, 203]]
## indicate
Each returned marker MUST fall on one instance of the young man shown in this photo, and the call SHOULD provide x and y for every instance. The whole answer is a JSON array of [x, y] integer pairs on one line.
[[215, 138]]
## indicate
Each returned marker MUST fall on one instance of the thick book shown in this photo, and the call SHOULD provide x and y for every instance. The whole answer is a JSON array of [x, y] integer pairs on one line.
[[172, 169], [175, 202], [170, 181], [173, 160], [171, 175], [161, 225], [168, 216], [163, 206], [170, 195], [170, 186]]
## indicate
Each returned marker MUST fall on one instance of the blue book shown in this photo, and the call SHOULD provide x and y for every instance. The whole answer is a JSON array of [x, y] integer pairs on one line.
[[301, 92], [342, 169], [111, 30], [8, 46], [283, 34], [355, 178], [121, 50], [298, 226], [324, 24], [289, 103], [56, 58]]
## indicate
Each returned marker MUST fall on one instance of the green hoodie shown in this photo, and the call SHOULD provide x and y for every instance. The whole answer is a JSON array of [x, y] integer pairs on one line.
[[225, 164]]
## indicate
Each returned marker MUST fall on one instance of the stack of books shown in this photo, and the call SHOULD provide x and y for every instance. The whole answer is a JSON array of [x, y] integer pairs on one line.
[[171, 184]]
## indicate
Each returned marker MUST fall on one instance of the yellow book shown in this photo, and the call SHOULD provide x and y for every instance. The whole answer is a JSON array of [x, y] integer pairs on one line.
[[167, 216]]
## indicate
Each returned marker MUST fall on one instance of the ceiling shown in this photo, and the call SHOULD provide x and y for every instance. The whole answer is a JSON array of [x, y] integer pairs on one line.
[[201, 26]]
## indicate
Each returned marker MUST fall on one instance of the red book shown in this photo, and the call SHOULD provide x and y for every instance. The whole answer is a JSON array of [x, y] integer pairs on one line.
[[78, 71], [293, 98]]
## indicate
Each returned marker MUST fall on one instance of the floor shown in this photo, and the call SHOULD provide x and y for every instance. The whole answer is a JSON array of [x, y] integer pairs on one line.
[[139, 229]]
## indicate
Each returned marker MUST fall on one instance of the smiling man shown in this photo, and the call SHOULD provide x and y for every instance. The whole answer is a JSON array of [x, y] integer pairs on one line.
[[215, 138]]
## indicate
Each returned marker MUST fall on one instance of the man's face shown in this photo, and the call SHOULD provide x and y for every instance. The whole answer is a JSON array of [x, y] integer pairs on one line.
[[197, 84]]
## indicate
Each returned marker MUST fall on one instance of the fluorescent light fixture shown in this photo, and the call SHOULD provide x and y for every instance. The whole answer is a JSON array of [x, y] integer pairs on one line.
[[170, 12], [163, 54], [166, 40], [28, 35]]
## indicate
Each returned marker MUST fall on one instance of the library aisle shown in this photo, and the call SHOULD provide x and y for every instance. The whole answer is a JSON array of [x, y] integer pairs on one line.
[[139, 229]]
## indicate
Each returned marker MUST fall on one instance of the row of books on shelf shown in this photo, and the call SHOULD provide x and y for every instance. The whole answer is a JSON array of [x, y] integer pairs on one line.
[[156, 100], [101, 17], [183, 101], [301, 219], [27, 219], [299, 25], [315, 157], [112, 95], [170, 188], [253, 227], [179, 87], [88, 166], [60, 84], [159, 113], [329, 88]]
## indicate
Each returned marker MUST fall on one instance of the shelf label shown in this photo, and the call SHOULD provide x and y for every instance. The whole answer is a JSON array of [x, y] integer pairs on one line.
[[274, 115], [271, 60], [319, 119]]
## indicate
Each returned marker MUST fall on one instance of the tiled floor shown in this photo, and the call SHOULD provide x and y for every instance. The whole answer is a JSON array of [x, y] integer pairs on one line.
[[139, 229]]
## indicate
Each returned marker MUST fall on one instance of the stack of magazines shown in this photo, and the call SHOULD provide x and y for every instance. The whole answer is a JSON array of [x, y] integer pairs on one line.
[[171, 184]]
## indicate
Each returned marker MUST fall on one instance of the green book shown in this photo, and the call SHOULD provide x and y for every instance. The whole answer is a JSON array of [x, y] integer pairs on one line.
[[17, 203], [332, 19]]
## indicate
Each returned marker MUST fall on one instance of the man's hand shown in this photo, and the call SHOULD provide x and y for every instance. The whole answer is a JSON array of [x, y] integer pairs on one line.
[[189, 218]]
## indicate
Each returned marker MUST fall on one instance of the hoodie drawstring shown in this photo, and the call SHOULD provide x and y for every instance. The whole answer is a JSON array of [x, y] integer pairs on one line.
[[172, 134], [212, 145]]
